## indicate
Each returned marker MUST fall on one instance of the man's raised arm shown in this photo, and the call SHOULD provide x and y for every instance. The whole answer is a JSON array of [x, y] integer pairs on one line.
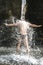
[[15, 24], [34, 25]]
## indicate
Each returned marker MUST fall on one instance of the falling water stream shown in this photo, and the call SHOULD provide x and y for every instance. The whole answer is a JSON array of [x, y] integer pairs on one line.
[[34, 57], [23, 8]]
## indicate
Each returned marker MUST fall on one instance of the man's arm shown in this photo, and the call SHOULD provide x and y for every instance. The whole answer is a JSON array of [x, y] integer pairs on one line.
[[15, 24], [34, 25]]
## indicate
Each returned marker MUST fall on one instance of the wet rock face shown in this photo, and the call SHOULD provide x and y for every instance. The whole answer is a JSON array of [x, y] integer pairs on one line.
[[13, 5], [35, 11]]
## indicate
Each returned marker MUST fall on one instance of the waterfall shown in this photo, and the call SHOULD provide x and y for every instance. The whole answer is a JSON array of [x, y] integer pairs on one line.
[[23, 9]]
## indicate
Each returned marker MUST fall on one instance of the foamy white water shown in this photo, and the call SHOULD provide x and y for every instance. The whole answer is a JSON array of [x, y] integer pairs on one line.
[[21, 58]]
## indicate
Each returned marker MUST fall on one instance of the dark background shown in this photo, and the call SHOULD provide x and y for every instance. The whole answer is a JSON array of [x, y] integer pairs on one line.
[[35, 11], [35, 15]]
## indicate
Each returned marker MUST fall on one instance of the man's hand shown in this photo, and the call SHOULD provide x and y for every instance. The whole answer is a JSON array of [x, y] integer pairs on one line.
[[5, 24], [39, 25], [11, 25]]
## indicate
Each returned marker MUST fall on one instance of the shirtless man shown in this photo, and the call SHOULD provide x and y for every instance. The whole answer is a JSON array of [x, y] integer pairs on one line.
[[22, 25]]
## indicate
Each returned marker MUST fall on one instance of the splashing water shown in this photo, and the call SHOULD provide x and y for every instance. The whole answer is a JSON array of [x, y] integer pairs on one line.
[[22, 58]]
